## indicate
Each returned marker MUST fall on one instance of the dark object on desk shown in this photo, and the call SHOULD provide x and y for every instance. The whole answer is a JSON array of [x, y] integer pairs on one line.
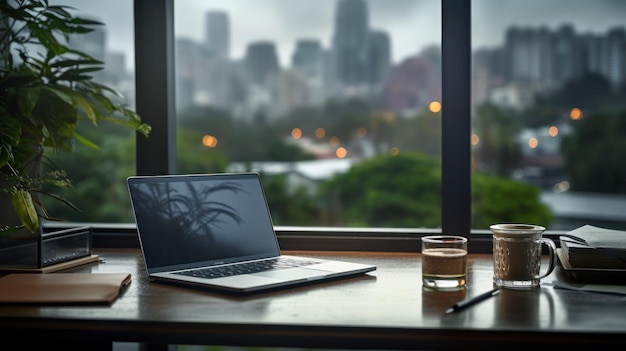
[[47, 250], [62, 288], [592, 275], [215, 231], [595, 247], [472, 301]]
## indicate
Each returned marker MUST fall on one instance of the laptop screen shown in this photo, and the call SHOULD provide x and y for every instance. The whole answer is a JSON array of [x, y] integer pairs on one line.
[[187, 221]]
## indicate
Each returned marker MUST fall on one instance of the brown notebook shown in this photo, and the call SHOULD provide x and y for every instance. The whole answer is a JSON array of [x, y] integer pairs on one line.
[[62, 288]]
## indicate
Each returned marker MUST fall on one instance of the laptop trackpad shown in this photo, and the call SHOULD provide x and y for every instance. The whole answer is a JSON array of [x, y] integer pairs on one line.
[[292, 273]]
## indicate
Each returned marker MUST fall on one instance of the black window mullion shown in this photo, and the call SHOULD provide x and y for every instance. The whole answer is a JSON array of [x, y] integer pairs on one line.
[[456, 151], [154, 76]]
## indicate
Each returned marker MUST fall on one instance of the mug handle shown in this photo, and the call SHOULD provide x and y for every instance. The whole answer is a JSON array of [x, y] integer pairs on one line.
[[552, 252]]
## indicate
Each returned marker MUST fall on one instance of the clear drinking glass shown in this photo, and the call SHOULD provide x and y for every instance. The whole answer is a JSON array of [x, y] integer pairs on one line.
[[444, 261]]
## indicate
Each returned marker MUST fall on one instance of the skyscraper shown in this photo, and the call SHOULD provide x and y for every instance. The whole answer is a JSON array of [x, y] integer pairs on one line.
[[217, 34], [350, 42], [379, 57], [308, 58], [261, 61]]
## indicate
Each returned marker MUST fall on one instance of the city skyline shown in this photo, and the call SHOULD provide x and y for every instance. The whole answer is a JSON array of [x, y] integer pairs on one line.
[[410, 24]]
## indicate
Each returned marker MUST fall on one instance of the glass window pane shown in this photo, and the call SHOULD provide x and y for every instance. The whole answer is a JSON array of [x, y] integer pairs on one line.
[[336, 103], [98, 175], [549, 119]]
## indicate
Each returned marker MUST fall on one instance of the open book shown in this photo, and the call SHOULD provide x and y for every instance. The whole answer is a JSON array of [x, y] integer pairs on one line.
[[594, 247]]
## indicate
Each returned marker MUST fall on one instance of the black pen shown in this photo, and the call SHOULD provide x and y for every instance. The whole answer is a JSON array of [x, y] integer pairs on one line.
[[472, 300]]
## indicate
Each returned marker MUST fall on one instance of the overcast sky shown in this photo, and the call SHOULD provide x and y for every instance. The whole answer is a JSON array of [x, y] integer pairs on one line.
[[412, 24]]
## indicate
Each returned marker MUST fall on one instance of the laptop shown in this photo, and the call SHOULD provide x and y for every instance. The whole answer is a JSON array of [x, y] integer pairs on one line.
[[216, 231]]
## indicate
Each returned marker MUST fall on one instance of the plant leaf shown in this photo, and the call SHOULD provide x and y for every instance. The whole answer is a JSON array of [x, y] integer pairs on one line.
[[25, 209]]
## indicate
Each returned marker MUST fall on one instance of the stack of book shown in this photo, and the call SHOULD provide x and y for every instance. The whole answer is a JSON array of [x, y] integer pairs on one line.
[[594, 254]]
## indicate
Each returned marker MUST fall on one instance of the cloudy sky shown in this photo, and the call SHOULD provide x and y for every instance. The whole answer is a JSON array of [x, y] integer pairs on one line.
[[412, 24]]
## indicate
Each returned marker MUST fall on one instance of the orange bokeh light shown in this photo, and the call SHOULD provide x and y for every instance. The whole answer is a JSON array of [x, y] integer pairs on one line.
[[320, 133], [553, 131], [434, 106], [475, 139], [576, 114], [209, 141], [296, 133], [341, 152]]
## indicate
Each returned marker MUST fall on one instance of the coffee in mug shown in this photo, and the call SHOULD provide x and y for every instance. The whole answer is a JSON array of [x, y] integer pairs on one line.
[[517, 252]]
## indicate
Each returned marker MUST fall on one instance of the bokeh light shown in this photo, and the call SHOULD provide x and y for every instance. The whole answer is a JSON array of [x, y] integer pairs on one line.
[[576, 114], [434, 106], [341, 152], [296, 133], [553, 131], [320, 133], [209, 141]]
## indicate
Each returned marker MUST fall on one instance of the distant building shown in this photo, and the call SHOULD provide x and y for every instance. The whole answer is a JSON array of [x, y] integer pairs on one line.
[[217, 34], [261, 62], [350, 42], [413, 85], [308, 58], [379, 58]]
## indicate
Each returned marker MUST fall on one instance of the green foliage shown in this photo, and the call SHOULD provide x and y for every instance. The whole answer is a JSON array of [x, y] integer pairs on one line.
[[593, 155], [404, 191], [98, 178], [194, 157], [387, 191], [502, 200], [289, 206], [46, 91]]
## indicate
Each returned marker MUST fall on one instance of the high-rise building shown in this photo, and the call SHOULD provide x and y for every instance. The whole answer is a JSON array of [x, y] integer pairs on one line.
[[350, 42], [308, 58], [567, 59], [217, 34], [528, 55], [261, 61], [548, 59], [616, 56], [379, 57]]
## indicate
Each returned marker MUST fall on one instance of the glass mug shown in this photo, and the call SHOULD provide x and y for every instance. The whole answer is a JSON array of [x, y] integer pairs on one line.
[[444, 261], [517, 255]]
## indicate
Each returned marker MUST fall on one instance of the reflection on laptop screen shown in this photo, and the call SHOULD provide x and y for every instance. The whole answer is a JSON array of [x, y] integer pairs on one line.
[[201, 218]]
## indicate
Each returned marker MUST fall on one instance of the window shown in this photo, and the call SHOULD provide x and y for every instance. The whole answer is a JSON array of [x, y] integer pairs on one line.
[[263, 82], [304, 92], [548, 107]]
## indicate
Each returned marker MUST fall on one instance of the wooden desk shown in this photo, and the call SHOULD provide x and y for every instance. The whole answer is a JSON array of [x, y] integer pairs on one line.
[[385, 309]]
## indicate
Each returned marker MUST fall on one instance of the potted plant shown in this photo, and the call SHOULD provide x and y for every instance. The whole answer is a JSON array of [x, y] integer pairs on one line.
[[46, 90]]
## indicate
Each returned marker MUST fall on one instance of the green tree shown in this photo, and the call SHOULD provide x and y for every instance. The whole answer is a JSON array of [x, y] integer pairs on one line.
[[98, 179], [192, 156], [295, 207], [589, 92], [502, 200], [387, 191], [426, 134], [593, 155], [404, 191]]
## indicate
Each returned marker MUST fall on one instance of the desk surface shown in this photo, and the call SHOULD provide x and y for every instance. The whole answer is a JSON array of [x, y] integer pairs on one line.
[[385, 309]]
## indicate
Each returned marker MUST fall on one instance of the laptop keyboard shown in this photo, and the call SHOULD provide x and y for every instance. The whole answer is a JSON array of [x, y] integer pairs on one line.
[[247, 268]]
